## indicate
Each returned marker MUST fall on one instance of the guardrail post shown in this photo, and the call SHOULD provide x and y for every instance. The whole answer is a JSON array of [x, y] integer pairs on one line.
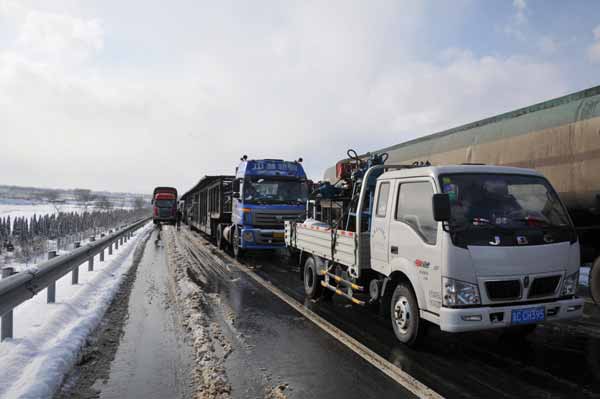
[[51, 290], [91, 264], [7, 319], [102, 256], [110, 248], [75, 275], [117, 243]]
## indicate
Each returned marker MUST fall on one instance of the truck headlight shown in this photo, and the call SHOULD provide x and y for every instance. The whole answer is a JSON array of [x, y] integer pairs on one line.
[[248, 236], [459, 293], [569, 286]]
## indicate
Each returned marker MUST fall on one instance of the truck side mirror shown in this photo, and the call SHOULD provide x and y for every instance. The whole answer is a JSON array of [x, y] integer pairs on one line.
[[441, 207]]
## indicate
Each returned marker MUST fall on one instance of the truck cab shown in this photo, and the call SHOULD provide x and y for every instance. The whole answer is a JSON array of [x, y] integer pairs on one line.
[[478, 247], [266, 193], [164, 204]]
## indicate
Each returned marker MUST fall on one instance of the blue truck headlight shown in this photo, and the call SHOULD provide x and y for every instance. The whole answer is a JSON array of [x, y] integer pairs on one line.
[[248, 236], [569, 286], [459, 293]]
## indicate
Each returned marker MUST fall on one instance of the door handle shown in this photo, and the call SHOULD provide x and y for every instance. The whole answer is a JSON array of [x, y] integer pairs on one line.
[[394, 250]]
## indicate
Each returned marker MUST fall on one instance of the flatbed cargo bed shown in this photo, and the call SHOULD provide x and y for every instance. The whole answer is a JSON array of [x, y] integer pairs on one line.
[[319, 241]]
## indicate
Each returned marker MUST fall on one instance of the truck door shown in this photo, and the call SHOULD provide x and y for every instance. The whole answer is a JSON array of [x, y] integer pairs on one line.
[[415, 241], [379, 226]]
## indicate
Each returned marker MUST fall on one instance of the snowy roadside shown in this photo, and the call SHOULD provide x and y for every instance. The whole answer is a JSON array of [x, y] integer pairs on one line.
[[49, 337], [209, 344]]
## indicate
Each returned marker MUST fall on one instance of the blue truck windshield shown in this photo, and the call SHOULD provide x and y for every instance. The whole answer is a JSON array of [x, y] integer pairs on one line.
[[508, 201], [259, 190]]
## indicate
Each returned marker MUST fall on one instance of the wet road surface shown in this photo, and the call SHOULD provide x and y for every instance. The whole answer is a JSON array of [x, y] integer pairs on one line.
[[275, 349], [558, 360], [152, 360]]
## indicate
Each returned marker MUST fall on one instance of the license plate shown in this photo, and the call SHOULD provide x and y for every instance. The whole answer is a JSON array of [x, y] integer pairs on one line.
[[528, 315], [277, 235]]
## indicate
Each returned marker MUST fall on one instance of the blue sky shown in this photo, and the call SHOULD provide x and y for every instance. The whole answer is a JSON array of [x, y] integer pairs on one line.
[[127, 95]]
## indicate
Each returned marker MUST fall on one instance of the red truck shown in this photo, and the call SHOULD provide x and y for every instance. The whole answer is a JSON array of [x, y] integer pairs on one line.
[[164, 200]]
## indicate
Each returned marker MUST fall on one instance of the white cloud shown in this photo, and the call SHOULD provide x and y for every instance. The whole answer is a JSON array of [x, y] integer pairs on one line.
[[518, 21], [593, 51], [96, 100]]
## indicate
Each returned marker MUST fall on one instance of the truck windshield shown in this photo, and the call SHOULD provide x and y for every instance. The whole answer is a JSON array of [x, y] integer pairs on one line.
[[164, 203], [505, 201], [260, 190]]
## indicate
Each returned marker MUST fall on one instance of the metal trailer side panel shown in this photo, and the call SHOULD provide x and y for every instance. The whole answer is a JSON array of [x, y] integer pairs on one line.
[[318, 241], [208, 204]]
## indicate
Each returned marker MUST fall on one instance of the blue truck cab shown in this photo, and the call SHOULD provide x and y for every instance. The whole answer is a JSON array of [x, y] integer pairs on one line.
[[266, 193]]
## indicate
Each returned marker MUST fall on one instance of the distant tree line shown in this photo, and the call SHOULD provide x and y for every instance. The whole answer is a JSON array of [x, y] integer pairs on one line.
[[30, 235]]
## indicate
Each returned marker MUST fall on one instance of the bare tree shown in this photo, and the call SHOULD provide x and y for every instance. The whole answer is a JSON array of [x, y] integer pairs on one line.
[[84, 197], [139, 203], [53, 197]]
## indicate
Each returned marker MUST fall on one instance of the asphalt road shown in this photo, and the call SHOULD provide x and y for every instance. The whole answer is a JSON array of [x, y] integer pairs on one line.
[[139, 350], [274, 346], [558, 360], [277, 352]]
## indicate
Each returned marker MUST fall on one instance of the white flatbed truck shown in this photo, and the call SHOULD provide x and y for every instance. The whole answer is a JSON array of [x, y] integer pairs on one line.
[[465, 247]]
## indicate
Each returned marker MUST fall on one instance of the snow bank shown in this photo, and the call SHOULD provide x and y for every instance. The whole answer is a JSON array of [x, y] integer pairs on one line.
[[48, 337]]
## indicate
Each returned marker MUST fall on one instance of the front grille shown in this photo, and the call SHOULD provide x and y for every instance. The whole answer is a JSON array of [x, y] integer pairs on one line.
[[275, 219], [543, 286], [268, 237], [503, 290], [165, 212]]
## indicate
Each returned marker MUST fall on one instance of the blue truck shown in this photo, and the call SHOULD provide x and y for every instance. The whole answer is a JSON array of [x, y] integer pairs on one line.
[[247, 211]]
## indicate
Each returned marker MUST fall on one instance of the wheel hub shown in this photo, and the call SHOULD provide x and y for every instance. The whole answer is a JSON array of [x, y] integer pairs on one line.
[[402, 314]]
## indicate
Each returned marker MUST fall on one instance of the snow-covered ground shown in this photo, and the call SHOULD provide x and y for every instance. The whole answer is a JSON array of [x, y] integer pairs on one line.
[[49, 337], [28, 210]]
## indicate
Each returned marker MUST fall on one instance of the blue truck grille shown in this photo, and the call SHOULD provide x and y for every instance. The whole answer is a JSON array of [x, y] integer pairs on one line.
[[275, 219]]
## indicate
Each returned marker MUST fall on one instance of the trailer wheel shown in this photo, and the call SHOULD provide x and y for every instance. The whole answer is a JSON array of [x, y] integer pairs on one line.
[[220, 243], [238, 251], [404, 314], [312, 281], [595, 281]]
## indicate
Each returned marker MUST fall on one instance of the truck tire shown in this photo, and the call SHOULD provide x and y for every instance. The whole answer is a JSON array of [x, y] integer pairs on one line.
[[404, 315], [219, 238], [312, 281], [595, 281], [238, 251]]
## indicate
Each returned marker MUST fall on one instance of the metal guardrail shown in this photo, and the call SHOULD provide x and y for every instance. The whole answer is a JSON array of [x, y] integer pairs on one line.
[[18, 288]]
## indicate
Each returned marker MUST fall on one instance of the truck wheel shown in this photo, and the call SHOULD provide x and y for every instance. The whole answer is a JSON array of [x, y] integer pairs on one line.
[[238, 251], [220, 243], [312, 281], [404, 312], [595, 281]]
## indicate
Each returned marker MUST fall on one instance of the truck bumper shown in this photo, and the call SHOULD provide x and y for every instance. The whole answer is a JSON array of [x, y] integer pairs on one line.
[[164, 220], [263, 238], [484, 318]]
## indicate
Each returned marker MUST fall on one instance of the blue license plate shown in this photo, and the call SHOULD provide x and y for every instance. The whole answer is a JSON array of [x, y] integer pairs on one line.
[[528, 315]]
